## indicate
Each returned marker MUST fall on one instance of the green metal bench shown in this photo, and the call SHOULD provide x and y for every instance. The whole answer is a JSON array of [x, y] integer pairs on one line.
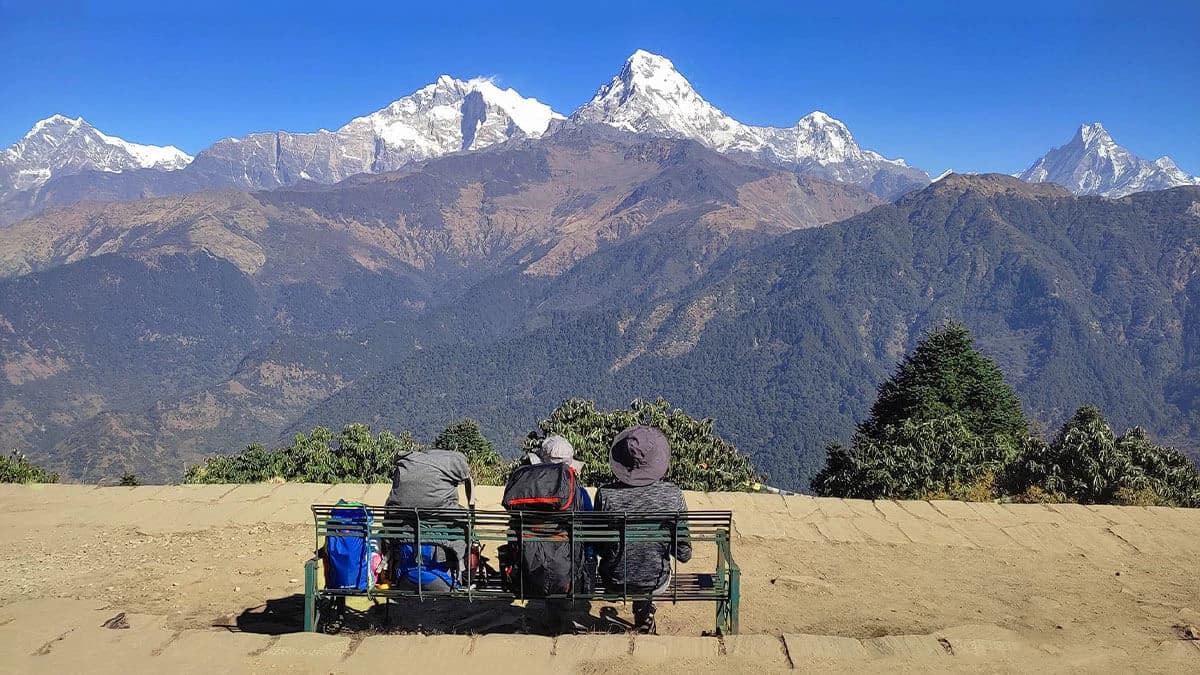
[[440, 526]]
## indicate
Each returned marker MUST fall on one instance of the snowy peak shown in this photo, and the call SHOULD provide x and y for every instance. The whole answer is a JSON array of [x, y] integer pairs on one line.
[[450, 115], [825, 139], [1094, 135], [648, 95], [60, 145], [1093, 164], [447, 115], [478, 100], [651, 74]]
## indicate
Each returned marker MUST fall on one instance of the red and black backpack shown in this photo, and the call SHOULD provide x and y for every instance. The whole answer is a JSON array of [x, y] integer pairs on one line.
[[541, 560]]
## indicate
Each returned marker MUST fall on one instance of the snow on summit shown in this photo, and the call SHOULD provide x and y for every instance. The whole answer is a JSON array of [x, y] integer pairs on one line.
[[650, 96], [1093, 164], [447, 115], [61, 145], [452, 114]]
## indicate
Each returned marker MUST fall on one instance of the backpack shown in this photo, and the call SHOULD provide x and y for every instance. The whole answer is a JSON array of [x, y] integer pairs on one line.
[[539, 568], [436, 564], [348, 547]]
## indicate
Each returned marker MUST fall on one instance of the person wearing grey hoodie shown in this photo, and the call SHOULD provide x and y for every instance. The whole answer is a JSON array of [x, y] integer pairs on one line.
[[639, 458]]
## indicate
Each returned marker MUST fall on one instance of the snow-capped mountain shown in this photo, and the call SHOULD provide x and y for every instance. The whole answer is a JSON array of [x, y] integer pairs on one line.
[[60, 146], [1093, 164], [650, 96], [447, 116]]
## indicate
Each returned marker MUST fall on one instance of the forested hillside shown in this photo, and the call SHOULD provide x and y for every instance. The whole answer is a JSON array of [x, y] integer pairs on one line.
[[1080, 300], [141, 336]]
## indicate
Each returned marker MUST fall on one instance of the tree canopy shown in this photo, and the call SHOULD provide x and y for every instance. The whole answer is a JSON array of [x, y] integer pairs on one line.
[[465, 436], [357, 456], [947, 426], [945, 375], [1086, 462], [354, 455], [700, 459]]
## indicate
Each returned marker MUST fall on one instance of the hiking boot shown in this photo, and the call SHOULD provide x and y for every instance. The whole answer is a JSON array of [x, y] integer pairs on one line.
[[643, 618]]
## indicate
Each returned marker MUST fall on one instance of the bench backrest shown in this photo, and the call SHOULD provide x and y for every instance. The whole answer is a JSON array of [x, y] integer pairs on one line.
[[586, 527]]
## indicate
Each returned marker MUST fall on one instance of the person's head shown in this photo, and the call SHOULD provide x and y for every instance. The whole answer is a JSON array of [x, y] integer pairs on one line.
[[640, 456], [557, 450]]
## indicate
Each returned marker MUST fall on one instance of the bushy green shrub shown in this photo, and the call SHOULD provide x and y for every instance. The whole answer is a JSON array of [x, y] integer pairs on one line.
[[912, 461], [700, 459], [16, 468], [1088, 463], [946, 426], [353, 456]]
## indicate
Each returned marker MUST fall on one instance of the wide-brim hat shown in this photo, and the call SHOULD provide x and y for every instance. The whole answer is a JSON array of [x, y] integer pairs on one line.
[[640, 456]]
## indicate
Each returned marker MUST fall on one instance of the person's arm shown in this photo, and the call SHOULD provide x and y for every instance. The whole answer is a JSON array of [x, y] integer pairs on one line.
[[462, 473], [683, 544], [469, 486], [604, 550]]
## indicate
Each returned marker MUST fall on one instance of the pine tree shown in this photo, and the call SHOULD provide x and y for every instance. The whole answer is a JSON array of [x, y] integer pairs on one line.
[[944, 425], [945, 375]]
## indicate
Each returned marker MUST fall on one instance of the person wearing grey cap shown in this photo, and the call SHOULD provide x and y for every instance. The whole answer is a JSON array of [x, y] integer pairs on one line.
[[639, 458], [558, 450]]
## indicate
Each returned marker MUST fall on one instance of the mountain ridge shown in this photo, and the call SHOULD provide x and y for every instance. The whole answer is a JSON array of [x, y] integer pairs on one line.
[[452, 115], [59, 145], [1092, 163], [648, 95]]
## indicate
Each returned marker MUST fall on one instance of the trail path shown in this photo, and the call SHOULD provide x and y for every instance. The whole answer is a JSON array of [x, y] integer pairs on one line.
[[209, 578]]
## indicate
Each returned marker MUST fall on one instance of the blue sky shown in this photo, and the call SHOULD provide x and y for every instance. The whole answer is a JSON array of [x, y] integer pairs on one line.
[[942, 84]]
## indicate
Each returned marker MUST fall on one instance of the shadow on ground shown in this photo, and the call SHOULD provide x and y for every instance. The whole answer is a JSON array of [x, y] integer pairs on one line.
[[410, 615]]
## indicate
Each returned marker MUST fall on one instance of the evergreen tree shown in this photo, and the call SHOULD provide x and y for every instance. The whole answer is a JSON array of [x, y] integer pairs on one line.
[[945, 375], [944, 425], [465, 436]]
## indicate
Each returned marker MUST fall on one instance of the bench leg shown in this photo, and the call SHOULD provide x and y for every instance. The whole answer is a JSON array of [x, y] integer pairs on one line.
[[735, 597], [310, 596]]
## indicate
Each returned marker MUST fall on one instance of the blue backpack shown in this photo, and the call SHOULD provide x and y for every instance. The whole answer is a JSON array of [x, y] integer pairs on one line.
[[428, 571], [347, 547]]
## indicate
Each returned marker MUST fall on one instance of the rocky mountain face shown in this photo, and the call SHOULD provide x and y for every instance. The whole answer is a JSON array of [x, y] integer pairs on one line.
[[61, 146], [650, 96], [1093, 164], [332, 282], [447, 116]]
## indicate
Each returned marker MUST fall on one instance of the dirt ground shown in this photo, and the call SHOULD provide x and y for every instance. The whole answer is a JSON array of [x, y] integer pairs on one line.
[[828, 583]]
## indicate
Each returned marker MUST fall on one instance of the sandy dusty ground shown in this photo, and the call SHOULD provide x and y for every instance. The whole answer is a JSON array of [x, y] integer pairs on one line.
[[209, 578]]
